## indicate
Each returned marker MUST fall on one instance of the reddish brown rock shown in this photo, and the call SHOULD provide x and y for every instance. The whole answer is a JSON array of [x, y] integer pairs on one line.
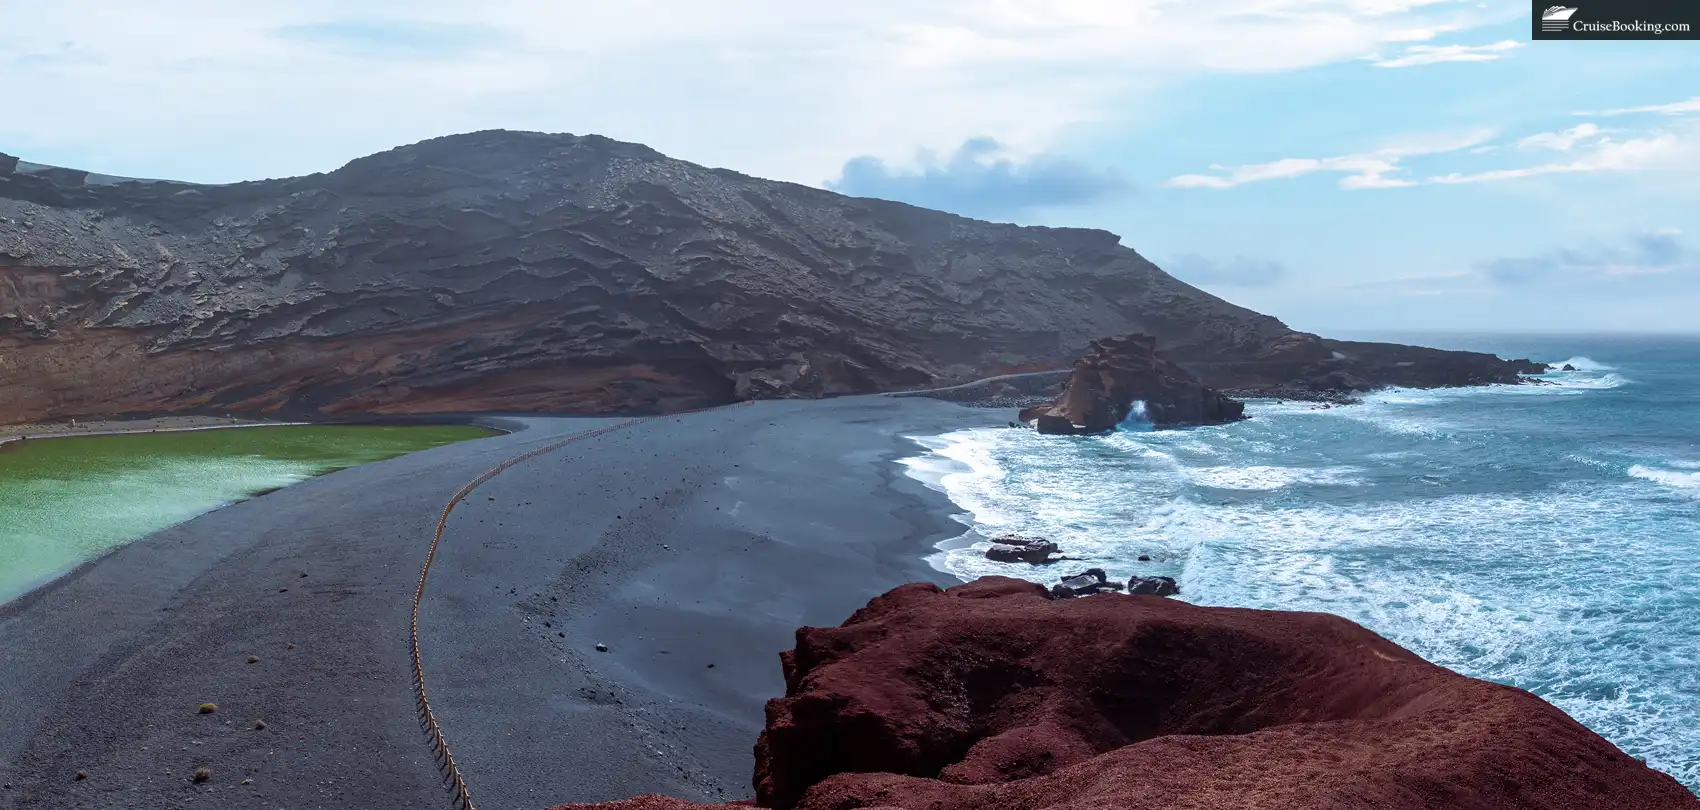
[[1119, 371], [992, 695]]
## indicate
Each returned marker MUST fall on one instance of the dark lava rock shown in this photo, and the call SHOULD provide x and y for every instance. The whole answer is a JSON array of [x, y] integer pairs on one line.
[[1118, 371], [1015, 548], [1302, 366], [1152, 586], [990, 695], [522, 271], [1085, 583], [1567, 367]]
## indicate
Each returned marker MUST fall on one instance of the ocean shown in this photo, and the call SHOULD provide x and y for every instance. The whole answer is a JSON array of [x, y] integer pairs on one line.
[[1542, 536]]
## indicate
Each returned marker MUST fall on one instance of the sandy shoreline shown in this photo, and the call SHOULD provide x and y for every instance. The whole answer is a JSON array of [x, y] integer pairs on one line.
[[679, 542]]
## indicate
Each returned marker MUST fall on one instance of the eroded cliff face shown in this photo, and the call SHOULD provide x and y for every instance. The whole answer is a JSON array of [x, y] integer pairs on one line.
[[530, 272]]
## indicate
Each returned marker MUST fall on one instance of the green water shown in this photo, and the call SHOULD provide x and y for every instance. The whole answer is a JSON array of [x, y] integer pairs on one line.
[[64, 501]]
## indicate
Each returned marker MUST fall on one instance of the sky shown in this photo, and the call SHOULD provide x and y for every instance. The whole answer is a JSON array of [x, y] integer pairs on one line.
[[1340, 164]]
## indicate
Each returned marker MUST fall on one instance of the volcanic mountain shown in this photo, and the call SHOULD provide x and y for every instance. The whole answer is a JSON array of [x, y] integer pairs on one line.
[[517, 271]]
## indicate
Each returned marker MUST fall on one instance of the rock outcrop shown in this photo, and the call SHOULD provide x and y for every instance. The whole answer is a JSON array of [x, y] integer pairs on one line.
[[992, 695], [1152, 586], [515, 271], [1086, 583], [1304, 366], [1119, 371], [1017, 548]]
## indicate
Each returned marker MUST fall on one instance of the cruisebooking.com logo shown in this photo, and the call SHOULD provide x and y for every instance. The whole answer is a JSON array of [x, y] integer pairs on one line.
[[1617, 19]]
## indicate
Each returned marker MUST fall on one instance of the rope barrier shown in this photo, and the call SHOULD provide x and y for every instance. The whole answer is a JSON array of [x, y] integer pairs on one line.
[[453, 780]]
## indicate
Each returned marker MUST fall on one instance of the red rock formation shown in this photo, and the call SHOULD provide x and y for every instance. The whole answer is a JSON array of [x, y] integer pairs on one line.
[[1117, 371], [992, 695]]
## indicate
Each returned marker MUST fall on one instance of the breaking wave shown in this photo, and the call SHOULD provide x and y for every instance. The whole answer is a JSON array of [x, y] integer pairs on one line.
[[1473, 526]]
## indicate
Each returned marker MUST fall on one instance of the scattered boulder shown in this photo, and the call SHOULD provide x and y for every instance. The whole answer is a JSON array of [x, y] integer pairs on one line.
[[1153, 586], [1118, 371], [1016, 548], [1567, 367], [1085, 583], [991, 695]]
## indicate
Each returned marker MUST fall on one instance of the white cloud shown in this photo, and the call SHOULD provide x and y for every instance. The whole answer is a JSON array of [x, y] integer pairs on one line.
[[1587, 147], [783, 88], [1673, 108], [1419, 55], [1563, 141], [1603, 155], [1363, 171]]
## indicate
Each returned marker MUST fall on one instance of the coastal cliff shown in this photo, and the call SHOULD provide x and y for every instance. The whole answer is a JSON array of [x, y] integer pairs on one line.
[[515, 271], [992, 695]]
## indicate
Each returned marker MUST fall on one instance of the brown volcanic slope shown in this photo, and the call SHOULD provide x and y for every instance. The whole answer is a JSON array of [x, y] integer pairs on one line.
[[523, 271], [993, 695]]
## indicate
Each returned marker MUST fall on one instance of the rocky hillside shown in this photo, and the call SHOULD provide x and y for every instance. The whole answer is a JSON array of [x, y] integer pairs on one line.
[[520, 271]]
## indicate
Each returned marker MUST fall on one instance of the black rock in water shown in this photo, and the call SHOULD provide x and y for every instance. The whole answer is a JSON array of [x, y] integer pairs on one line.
[[1153, 586], [1015, 548]]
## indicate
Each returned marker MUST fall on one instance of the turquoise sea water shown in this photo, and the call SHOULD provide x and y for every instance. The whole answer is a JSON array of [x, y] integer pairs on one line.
[[1546, 537], [64, 501]]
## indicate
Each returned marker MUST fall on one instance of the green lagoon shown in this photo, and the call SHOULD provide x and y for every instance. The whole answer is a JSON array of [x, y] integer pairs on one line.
[[65, 501]]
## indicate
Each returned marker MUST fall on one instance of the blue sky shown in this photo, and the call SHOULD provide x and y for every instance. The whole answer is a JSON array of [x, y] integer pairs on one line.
[[1341, 164]]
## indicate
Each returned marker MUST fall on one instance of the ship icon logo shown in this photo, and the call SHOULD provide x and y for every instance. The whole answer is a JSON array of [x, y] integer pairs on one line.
[[1557, 18]]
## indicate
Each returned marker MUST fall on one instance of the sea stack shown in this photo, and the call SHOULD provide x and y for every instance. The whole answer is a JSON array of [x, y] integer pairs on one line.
[[1118, 371]]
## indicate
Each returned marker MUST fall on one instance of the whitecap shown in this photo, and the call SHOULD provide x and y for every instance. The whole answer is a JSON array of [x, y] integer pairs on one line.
[[1577, 380], [1264, 477], [1580, 363], [1687, 481], [1496, 585]]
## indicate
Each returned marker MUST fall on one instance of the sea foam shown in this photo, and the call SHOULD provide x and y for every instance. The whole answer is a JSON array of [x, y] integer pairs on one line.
[[1687, 481], [1456, 522]]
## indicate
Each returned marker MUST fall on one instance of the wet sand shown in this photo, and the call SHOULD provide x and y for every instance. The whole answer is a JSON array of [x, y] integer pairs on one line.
[[678, 543]]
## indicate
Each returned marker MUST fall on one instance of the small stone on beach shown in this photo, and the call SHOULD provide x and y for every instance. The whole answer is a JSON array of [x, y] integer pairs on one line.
[[209, 708], [601, 648], [81, 775], [253, 659]]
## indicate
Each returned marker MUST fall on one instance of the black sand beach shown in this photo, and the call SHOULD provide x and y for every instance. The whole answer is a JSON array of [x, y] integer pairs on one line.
[[680, 543]]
